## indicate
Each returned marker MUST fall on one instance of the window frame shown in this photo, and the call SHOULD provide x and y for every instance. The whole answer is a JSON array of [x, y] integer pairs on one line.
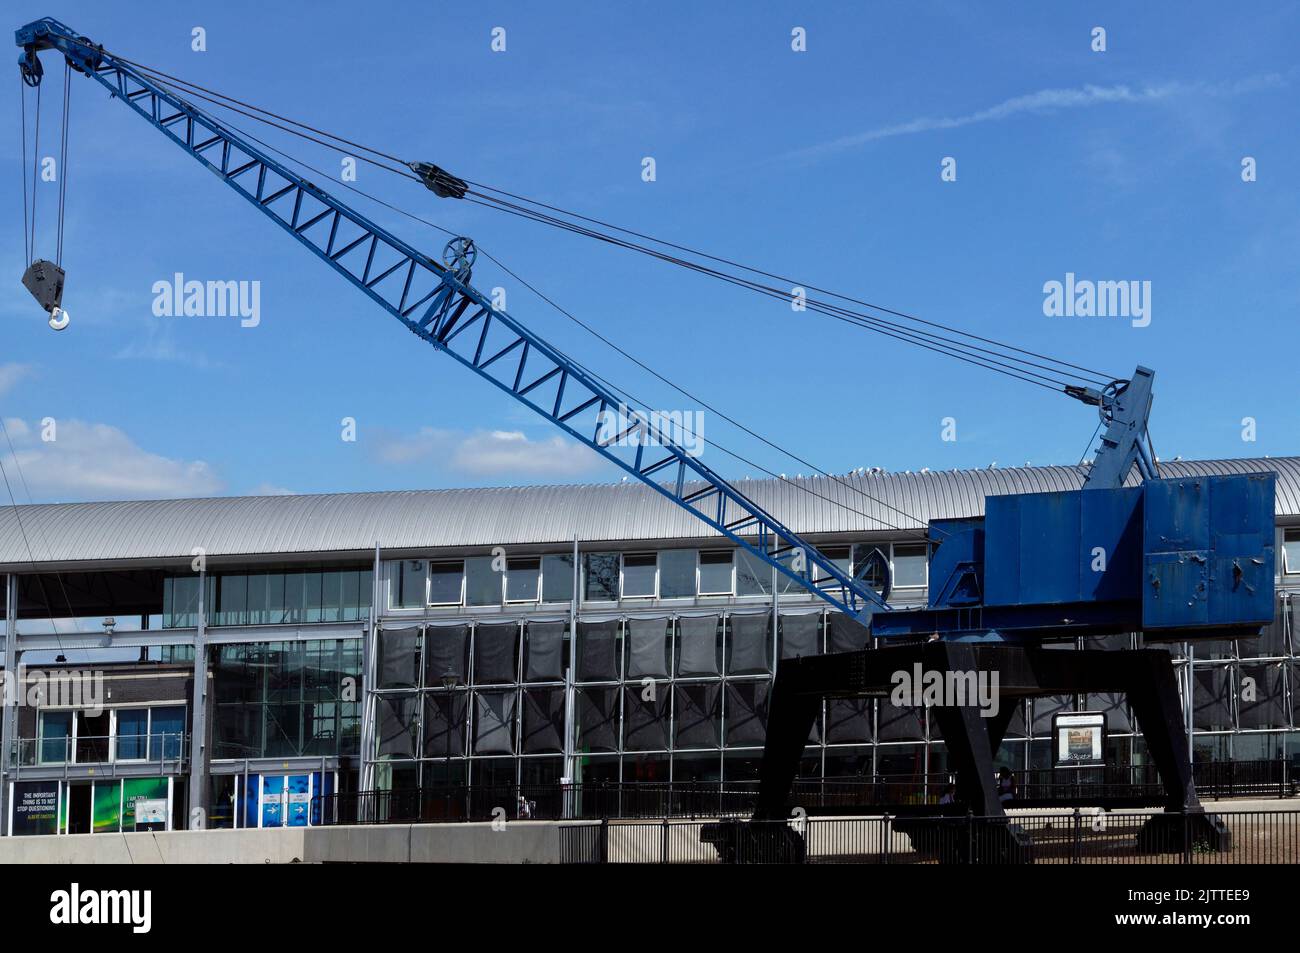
[[114, 752], [500, 583], [541, 598], [180, 741], [893, 566], [395, 600], [428, 584], [69, 739], [1290, 534], [699, 571], [618, 580], [537, 581], [653, 556], [695, 572], [765, 584]]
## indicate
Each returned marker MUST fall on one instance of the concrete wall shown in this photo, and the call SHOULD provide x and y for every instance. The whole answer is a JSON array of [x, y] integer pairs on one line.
[[520, 842]]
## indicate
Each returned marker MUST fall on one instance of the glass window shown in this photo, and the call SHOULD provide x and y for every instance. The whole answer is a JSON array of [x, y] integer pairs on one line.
[[445, 583], [256, 614], [482, 582], [910, 565], [753, 575], [522, 579], [408, 585], [715, 573], [557, 578], [273, 607], [354, 600], [677, 574], [839, 556], [293, 597], [56, 735], [1291, 551], [866, 567], [639, 575], [313, 596], [181, 602], [166, 729], [132, 734], [232, 600], [332, 596], [601, 573]]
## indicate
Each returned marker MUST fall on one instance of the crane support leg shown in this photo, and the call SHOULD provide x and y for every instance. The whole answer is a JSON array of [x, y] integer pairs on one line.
[[973, 734]]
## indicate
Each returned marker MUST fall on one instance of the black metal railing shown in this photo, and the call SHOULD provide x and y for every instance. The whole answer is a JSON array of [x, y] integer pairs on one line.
[[1074, 837], [1110, 786], [58, 751]]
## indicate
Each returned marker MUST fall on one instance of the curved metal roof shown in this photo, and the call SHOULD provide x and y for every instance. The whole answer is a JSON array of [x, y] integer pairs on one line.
[[337, 523]]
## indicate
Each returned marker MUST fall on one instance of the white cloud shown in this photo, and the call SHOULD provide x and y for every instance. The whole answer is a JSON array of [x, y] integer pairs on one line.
[[1040, 102], [162, 348], [98, 462], [490, 453], [504, 452], [399, 450], [270, 489], [11, 374]]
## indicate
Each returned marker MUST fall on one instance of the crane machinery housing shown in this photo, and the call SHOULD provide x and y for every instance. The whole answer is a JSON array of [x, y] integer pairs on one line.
[[1174, 559]]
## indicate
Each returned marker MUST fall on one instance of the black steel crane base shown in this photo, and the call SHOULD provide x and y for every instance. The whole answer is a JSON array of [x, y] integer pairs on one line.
[[972, 736]]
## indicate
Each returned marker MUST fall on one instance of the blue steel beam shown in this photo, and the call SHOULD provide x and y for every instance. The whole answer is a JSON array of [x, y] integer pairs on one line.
[[437, 304]]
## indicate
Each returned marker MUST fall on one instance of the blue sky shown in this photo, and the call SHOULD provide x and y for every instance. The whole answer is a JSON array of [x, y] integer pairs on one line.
[[824, 164]]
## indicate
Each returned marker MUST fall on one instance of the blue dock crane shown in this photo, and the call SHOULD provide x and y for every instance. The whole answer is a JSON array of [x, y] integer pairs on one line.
[[1175, 559]]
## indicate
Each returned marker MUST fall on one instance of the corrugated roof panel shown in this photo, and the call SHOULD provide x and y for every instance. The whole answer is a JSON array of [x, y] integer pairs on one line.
[[420, 519]]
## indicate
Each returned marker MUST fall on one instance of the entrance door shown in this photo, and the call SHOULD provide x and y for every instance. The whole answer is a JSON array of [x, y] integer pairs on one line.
[[286, 800]]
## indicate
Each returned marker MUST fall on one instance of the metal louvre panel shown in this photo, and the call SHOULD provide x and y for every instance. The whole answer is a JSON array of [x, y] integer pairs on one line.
[[422, 519]]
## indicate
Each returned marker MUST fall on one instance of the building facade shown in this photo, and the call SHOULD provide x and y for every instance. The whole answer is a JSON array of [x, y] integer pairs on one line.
[[522, 636]]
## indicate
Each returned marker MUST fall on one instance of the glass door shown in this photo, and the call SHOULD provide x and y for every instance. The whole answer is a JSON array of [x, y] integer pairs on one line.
[[286, 800]]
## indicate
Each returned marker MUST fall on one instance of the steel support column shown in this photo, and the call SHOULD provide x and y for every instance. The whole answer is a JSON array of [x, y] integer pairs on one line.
[[366, 779], [198, 779], [10, 695]]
